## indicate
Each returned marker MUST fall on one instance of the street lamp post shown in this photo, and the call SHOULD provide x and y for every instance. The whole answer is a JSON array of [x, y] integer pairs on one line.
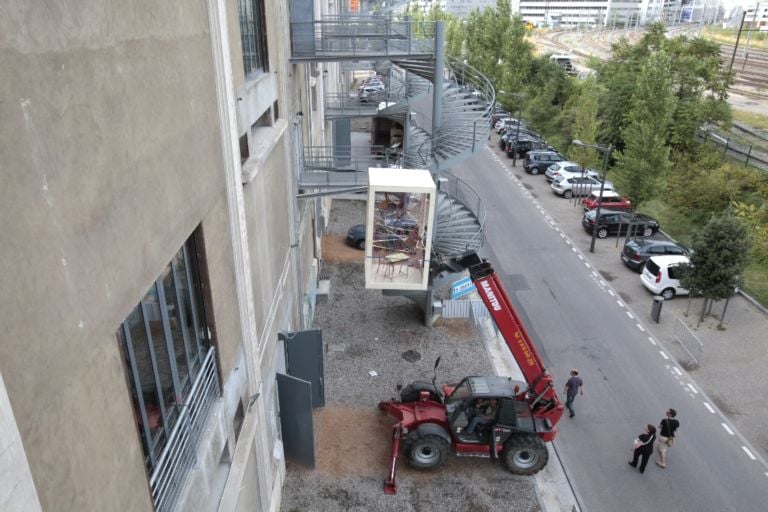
[[517, 135], [607, 154]]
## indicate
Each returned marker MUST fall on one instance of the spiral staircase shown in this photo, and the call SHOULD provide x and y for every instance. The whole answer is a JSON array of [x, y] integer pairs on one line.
[[419, 71]]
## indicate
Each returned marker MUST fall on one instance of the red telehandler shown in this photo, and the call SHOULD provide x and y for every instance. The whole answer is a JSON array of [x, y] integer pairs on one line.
[[430, 421]]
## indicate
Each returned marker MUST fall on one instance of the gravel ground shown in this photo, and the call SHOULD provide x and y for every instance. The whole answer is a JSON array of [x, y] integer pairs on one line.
[[373, 343]]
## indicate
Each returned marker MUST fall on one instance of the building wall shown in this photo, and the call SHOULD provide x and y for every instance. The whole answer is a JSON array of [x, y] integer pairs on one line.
[[17, 490], [111, 158]]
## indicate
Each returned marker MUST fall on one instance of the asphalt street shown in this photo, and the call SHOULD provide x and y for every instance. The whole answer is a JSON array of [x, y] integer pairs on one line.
[[578, 320]]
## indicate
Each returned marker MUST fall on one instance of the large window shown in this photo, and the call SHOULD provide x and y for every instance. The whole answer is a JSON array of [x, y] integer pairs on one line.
[[165, 343], [253, 34]]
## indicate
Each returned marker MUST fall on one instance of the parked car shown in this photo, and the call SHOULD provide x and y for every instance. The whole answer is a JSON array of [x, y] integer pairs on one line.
[[538, 161], [523, 145], [356, 238], [577, 186], [661, 275], [636, 251], [568, 169], [617, 222], [369, 92], [499, 114], [513, 133], [611, 200]]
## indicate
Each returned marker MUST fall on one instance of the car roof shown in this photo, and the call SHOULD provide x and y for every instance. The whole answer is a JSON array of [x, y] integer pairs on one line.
[[606, 193], [670, 259], [647, 242]]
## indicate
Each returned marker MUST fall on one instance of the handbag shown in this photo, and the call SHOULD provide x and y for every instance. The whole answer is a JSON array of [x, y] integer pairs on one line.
[[636, 444], [670, 441]]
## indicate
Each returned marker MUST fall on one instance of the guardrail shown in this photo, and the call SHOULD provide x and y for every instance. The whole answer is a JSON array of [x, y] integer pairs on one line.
[[348, 158], [339, 37]]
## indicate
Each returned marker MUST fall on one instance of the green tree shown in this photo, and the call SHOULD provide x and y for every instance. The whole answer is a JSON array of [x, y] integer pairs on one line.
[[644, 161], [720, 255], [585, 124], [516, 58]]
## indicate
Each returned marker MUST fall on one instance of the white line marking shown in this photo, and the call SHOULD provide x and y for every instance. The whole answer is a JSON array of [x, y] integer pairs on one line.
[[621, 304], [749, 453], [586, 264], [653, 342], [677, 371], [581, 257], [709, 408], [573, 249], [630, 315], [642, 329], [611, 292], [595, 274], [665, 356], [603, 283], [727, 429], [690, 386]]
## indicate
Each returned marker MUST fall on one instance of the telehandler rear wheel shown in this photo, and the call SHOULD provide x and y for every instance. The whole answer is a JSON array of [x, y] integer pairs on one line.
[[426, 451]]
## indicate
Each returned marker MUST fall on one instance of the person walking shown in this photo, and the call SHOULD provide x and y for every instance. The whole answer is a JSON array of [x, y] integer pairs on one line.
[[667, 429], [573, 387], [643, 448]]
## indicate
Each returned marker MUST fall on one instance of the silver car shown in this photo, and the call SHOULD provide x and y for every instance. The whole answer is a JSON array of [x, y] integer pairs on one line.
[[569, 169], [578, 186]]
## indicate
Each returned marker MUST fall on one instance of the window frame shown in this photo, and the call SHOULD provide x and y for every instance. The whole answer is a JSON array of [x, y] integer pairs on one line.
[[253, 36]]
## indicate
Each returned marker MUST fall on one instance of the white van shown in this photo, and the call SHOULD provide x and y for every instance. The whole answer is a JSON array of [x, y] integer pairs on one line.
[[661, 275]]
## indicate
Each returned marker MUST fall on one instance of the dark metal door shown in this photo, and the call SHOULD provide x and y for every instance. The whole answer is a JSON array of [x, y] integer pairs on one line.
[[295, 396], [342, 143], [304, 360]]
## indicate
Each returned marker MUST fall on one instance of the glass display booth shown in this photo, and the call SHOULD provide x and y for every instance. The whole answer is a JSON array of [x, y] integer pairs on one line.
[[398, 235]]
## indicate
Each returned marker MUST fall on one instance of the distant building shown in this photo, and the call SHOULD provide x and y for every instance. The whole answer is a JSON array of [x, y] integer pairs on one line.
[[462, 8], [570, 13]]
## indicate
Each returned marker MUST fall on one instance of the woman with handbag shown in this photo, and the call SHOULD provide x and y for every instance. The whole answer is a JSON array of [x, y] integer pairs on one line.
[[667, 429], [643, 448]]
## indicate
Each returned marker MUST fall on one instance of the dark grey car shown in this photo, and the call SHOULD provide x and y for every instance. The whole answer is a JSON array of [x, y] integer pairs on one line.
[[537, 162], [637, 251]]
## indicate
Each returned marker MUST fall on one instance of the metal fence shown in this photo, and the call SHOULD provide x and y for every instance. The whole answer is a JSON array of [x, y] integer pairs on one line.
[[464, 308], [178, 456], [729, 148], [690, 343]]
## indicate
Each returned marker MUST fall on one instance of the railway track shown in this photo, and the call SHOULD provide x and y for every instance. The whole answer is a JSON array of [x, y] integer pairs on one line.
[[750, 67]]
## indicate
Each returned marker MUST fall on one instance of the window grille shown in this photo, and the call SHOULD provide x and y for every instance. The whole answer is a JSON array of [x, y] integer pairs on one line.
[[253, 36], [171, 372]]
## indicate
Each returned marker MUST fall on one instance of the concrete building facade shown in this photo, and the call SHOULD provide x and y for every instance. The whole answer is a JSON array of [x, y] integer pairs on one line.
[[154, 248]]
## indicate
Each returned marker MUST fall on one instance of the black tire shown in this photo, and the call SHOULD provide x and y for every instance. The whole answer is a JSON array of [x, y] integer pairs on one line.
[[411, 392], [647, 231], [360, 244], [534, 170], [602, 232], [668, 293], [525, 454], [426, 451], [567, 194]]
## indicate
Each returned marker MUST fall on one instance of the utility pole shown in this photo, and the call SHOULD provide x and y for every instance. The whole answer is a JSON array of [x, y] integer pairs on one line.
[[736, 47], [749, 33]]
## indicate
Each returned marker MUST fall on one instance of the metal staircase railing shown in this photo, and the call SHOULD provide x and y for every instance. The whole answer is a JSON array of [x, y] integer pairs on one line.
[[459, 219]]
